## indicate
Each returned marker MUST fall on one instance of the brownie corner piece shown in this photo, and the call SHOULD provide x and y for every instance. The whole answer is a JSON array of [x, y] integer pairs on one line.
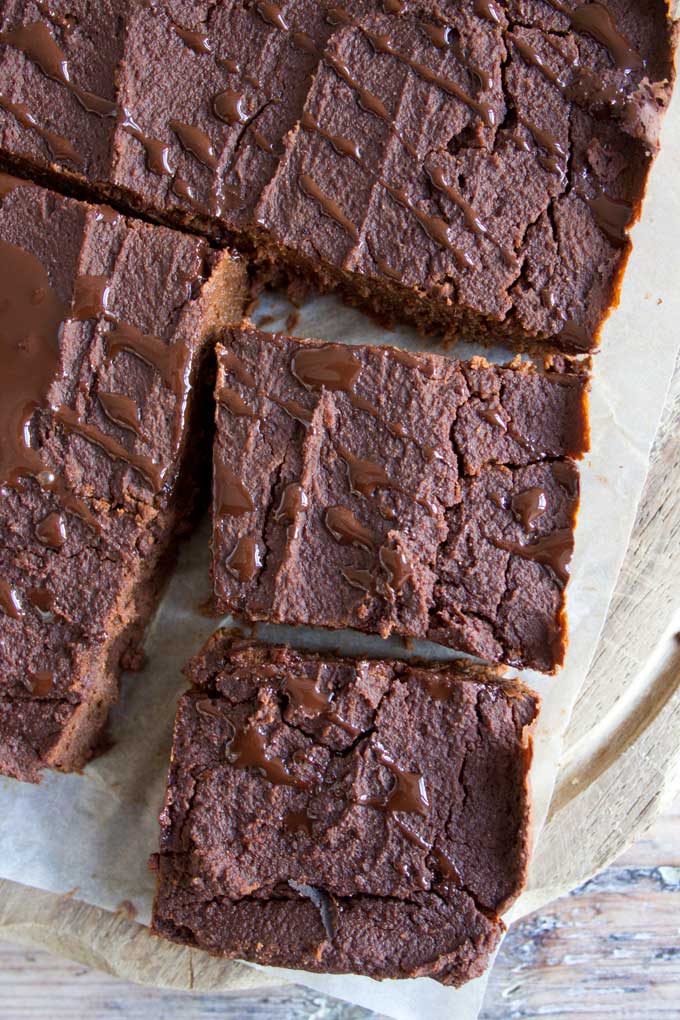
[[373, 488], [346, 816], [105, 324]]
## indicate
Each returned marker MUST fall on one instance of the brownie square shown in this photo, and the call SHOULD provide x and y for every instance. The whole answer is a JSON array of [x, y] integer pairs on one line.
[[105, 324], [351, 816], [372, 488], [472, 167]]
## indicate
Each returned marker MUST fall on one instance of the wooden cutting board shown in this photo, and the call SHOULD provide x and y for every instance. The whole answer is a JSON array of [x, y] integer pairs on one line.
[[621, 762]]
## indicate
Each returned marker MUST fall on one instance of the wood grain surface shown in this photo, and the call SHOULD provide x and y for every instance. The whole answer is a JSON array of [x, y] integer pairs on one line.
[[607, 950]]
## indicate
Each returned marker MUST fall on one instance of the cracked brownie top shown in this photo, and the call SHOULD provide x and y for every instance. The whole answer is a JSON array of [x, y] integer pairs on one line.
[[471, 166], [392, 492], [345, 815]]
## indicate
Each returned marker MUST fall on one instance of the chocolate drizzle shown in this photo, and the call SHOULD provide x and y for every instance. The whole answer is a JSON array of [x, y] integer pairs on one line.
[[328, 205], [122, 410], [10, 603], [196, 142], [244, 561], [292, 505], [346, 529], [333, 367], [553, 550], [529, 506], [37, 43], [60, 147], [231, 498], [612, 216], [51, 530], [227, 106], [90, 297], [196, 41], [252, 751], [32, 314]]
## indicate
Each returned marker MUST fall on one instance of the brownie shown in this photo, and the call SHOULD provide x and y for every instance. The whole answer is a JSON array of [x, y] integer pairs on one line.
[[372, 488], [471, 167], [351, 816], [105, 324]]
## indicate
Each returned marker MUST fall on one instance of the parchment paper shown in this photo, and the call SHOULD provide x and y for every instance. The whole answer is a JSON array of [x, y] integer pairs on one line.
[[92, 833]]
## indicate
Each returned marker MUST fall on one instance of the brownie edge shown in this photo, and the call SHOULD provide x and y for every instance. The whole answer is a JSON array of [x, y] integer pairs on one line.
[[344, 815]]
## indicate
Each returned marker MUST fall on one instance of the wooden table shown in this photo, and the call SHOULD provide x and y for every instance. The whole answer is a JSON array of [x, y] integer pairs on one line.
[[610, 949]]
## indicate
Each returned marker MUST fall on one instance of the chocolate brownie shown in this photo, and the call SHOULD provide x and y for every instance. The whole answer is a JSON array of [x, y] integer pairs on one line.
[[472, 167], [349, 816], [372, 488], [104, 324]]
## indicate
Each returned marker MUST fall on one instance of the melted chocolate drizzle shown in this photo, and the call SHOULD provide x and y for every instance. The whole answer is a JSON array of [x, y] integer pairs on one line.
[[553, 550]]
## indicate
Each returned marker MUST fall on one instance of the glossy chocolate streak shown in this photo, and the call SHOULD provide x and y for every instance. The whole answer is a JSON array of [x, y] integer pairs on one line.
[[396, 566], [196, 142], [328, 205], [158, 159], [30, 321], [529, 506], [333, 367], [488, 10], [51, 530], [172, 361], [10, 603], [37, 43], [228, 107], [60, 147], [231, 498], [151, 471], [196, 41], [252, 751], [234, 402], [292, 505], [553, 550], [382, 44], [612, 216], [245, 559], [90, 297], [346, 529], [595, 20], [122, 410]]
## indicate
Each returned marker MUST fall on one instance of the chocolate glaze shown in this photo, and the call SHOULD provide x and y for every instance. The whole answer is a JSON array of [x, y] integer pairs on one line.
[[10, 603], [52, 530], [122, 410], [332, 367], [196, 41], [612, 216], [196, 142], [396, 566], [60, 147], [529, 506], [230, 494], [90, 297], [32, 314], [252, 750], [292, 504], [328, 205], [232, 399], [553, 550], [246, 559], [346, 529]]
